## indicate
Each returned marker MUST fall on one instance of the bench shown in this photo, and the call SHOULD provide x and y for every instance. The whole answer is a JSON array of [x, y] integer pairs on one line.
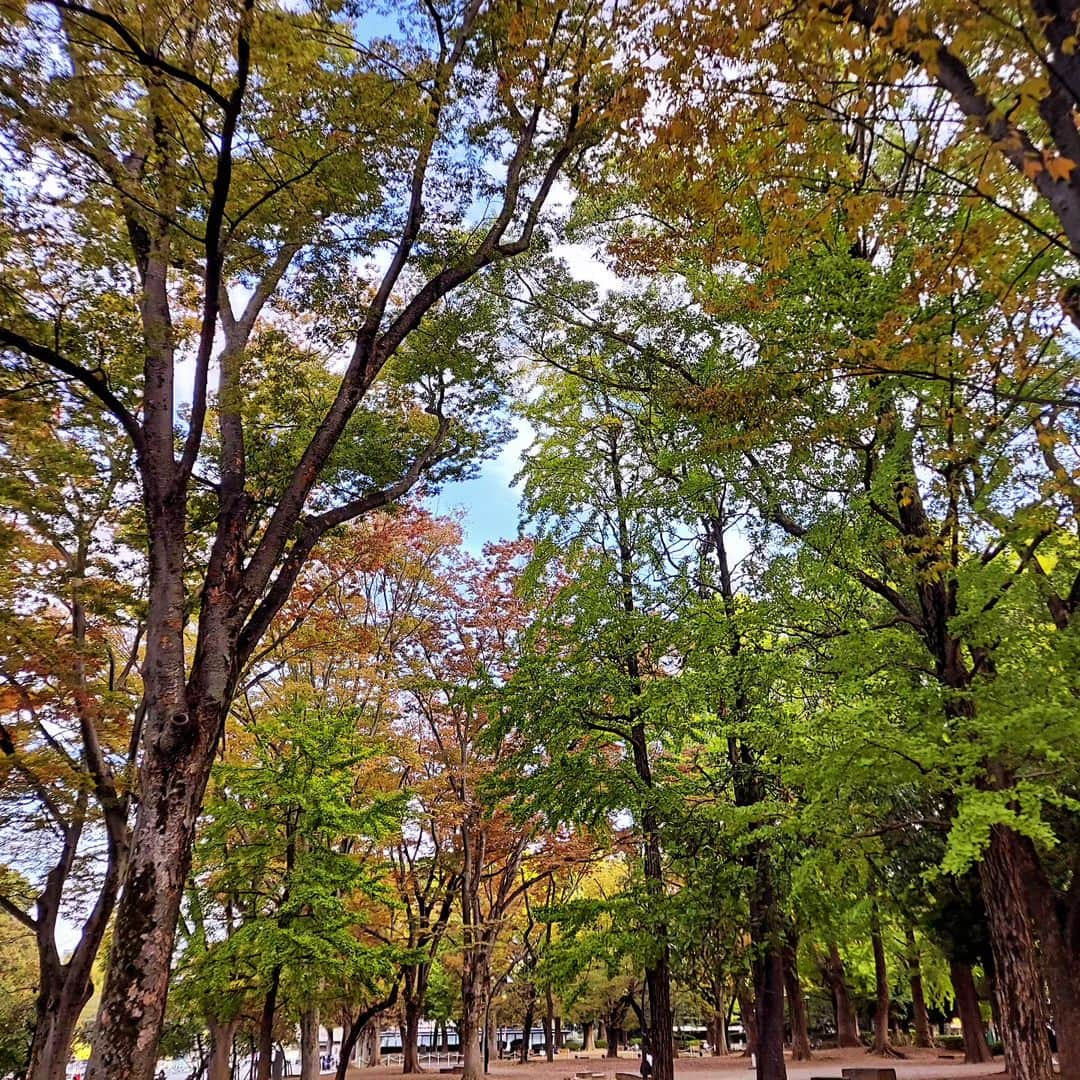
[[627, 1076], [868, 1074], [458, 1069]]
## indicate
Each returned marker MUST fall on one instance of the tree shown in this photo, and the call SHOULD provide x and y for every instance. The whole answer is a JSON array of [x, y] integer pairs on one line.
[[164, 174], [18, 982], [280, 866], [70, 634]]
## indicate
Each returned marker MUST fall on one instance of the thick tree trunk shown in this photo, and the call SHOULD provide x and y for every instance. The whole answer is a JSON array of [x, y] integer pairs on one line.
[[1017, 980], [748, 1014], [976, 1049], [410, 1033], [923, 1035], [558, 1034], [472, 1019], [800, 1033], [614, 1036], [60, 1000], [309, 1044], [847, 1023], [178, 749], [769, 1005], [588, 1035], [719, 1031], [1057, 918], [219, 1067], [374, 1030]]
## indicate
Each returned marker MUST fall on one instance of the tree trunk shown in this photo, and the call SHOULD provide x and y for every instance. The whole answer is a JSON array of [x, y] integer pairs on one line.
[[1017, 981], [847, 1023], [410, 1033], [375, 1035], [719, 1031], [221, 1048], [613, 1037], [526, 1027], [1057, 918], [60, 1001], [588, 1035], [766, 936], [546, 1021], [882, 1000], [661, 1034], [558, 1034], [266, 1026], [179, 741], [309, 1044], [923, 1035], [471, 1030], [976, 1049], [769, 1006], [748, 1014], [800, 1034]]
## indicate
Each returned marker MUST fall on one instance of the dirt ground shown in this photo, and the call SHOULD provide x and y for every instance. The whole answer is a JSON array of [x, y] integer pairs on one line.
[[917, 1065]]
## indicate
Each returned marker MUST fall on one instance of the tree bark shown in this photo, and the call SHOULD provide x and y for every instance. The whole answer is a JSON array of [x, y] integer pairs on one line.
[[1057, 918], [410, 1033], [748, 1015], [309, 1044], [355, 1030], [719, 1031], [847, 1023], [221, 1048], [266, 1026], [1017, 981], [976, 1048], [800, 1034], [471, 1031], [60, 1001], [526, 1025], [882, 999], [547, 1021], [923, 1035]]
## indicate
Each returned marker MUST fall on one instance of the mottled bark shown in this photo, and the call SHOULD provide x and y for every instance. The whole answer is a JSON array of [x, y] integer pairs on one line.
[[1017, 981]]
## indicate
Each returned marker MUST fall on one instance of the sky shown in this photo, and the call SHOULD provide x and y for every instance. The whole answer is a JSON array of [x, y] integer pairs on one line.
[[488, 503]]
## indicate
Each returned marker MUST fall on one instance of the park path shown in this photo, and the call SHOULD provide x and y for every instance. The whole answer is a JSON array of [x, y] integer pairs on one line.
[[918, 1065]]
